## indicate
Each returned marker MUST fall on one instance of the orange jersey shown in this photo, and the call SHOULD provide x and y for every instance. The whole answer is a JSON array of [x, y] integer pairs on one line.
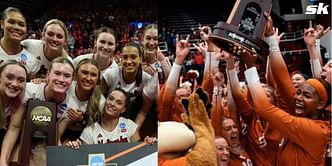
[[242, 160], [168, 108], [307, 139], [263, 150], [181, 161], [305, 144]]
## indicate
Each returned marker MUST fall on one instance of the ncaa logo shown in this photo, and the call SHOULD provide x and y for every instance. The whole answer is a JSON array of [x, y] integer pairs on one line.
[[63, 106], [122, 125]]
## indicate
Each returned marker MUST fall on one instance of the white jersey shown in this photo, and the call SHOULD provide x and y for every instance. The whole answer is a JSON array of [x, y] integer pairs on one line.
[[114, 79], [82, 105], [154, 78], [24, 57], [36, 47], [79, 58], [36, 91], [95, 134]]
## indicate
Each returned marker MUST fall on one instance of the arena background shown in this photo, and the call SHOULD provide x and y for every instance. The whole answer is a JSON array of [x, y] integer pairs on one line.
[[183, 18], [128, 18]]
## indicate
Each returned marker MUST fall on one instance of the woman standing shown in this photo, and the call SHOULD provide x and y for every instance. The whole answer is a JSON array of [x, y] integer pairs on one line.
[[87, 96], [105, 43], [14, 28], [59, 79], [13, 78], [154, 62], [54, 38], [133, 80]]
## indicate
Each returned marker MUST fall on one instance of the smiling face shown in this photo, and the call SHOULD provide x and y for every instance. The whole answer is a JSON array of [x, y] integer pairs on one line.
[[14, 26], [60, 77], [13, 79], [150, 40], [115, 104], [130, 59], [105, 44], [307, 101], [54, 37], [222, 151], [230, 132], [326, 73], [87, 76], [297, 79]]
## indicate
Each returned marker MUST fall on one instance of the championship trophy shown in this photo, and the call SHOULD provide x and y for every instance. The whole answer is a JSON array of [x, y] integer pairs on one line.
[[40, 123], [244, 28]]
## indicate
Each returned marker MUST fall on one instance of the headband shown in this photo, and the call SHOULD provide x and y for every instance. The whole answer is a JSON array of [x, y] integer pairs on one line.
[[319, 88]]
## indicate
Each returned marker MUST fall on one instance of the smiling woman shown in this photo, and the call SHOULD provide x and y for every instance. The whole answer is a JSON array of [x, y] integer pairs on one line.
[[88, 97], [59, 78], [13, 78], [133, 80], [104, 46], [14, 28], [110, 127], [54, 38]]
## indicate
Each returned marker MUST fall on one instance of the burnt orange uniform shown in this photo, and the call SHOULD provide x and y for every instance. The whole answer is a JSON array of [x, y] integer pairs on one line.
[[166, 111], [262, 141], [242, 160], [181, 161], [306, 139]]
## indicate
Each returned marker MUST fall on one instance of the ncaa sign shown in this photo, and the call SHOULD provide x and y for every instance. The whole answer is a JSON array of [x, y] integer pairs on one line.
[[41, 116]]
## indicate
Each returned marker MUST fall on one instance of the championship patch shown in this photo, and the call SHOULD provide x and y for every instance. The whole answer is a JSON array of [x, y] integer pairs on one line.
[[123, 127], [23, 59], [63, 106]]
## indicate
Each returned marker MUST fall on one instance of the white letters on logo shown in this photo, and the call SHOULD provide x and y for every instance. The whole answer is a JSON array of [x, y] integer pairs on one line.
[[41, 118], [317, 9]]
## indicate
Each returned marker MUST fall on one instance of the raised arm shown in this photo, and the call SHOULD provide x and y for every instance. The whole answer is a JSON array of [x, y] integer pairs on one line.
[[299, 130], [278, 66], [218, 109], [312, 40], [239, 98], [168, 96]]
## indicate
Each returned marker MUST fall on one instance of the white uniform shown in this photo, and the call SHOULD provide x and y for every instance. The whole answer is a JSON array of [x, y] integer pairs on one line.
[[114, 79], [36, 47], [90, 56], [95, 134], [36, 91], [82, 105], [24, 57], [154, 78]]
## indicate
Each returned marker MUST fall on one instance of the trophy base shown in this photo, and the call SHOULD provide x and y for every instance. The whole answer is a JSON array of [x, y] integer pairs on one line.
[[226, 36]]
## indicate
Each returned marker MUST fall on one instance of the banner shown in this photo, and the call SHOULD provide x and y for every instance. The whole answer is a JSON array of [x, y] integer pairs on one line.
[[115, 154]]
